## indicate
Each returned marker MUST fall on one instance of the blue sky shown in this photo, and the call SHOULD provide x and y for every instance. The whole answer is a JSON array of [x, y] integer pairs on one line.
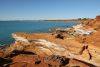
[[48, 9]]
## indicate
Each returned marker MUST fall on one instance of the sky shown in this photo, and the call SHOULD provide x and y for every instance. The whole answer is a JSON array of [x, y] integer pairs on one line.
[[48, 9]]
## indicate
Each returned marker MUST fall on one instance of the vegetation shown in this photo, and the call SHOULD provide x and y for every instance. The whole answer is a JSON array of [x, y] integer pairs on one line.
[[83, 18]]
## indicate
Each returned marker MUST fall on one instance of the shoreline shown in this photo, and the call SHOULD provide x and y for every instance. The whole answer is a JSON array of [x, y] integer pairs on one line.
[[80, 42]]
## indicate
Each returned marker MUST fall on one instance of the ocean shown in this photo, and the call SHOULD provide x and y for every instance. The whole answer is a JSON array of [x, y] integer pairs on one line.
[[9, 27]]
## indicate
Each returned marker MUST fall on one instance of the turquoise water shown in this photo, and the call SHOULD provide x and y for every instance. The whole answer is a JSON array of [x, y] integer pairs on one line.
[[8, 27]]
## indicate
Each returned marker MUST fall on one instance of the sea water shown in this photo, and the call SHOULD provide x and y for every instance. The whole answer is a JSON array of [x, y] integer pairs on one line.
[[9, 27]]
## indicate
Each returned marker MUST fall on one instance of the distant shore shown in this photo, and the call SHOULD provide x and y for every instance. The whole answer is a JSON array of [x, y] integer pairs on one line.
[[71, 20]]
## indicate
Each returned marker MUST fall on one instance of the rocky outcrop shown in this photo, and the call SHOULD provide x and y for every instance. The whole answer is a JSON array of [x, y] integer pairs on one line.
[[47, 45], [98, 17], [44, 52], [77, 30], [27, 59], [76, 46]]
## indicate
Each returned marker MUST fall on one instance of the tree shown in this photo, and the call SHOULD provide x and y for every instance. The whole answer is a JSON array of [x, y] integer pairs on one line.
[[79, 18]]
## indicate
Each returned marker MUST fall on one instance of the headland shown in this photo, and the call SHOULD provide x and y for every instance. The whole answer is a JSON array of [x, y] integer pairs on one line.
[[75, 46]]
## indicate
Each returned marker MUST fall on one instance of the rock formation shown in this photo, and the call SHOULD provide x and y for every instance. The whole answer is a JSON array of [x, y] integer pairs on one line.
[[49, 45], [76, 46], [97, 17], [58, 52]]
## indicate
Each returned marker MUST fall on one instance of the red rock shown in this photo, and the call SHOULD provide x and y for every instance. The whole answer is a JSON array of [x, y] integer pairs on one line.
[[32, 61], [98, 17], [1, 53]]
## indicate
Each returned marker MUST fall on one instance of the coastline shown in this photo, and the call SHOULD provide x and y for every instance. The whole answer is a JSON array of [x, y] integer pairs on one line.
[[71, 20], [78, 42]]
